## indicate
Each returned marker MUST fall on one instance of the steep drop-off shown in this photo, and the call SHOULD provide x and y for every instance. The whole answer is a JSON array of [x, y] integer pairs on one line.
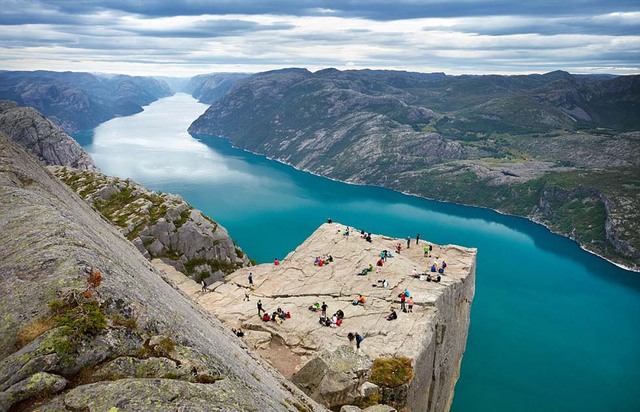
[[432, 338], [503, 142], [160, 225], [89, 325]]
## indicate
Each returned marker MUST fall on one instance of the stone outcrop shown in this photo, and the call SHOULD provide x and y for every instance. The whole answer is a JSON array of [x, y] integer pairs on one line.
[[160, 225], [88, 324], [40, 136], [315, 356]]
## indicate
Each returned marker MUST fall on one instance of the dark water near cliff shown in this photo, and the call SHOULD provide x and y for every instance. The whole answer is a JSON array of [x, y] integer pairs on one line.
[[553, 328]]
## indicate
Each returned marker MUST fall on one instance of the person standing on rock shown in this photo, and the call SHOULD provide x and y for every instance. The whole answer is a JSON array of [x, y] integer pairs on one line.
[[403, 298], [251, 279], [408, 242], [358, 340], [324, 309], [417, 238], [410, 304], [260, 308]]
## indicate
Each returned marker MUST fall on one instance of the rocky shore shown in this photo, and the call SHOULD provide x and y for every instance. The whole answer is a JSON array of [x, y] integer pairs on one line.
[[321, 360]]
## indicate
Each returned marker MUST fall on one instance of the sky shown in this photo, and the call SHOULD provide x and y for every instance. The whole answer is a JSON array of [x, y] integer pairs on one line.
[[189, 37]]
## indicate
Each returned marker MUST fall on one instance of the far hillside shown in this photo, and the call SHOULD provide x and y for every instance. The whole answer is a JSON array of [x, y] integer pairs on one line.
[[561, 149]]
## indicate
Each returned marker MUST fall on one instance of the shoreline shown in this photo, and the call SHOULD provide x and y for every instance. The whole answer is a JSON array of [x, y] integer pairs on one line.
[[619, 265]]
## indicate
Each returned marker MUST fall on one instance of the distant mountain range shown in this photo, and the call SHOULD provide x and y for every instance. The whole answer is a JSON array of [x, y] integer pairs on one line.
[[80, 101], [558, 148]]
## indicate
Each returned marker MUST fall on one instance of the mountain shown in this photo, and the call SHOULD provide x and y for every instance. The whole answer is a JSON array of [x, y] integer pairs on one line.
[[560, 149], [208, 88], [80, 101], [89, 324], [41, 137]]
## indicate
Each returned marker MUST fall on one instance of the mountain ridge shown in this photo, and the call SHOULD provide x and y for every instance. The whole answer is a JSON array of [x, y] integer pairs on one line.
[[502, 142]]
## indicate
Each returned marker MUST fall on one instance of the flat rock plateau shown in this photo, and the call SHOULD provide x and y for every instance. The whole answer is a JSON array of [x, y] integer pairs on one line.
[[433, 336]]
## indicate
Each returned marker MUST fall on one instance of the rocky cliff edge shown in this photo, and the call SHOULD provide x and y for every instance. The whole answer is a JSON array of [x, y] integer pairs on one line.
[[88, 323], [427, 344]]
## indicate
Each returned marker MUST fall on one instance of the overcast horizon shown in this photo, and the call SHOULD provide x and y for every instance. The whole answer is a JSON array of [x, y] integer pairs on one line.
[[190, 37]]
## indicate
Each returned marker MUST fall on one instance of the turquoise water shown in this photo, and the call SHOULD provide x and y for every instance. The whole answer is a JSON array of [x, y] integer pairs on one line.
[[553, 328]]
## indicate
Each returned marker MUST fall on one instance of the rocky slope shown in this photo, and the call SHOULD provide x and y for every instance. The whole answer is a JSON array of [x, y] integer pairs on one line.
[[208, 88], [40, 136], [80, 101], [88, 324], [160, 225], [503, 142], [320, 359]]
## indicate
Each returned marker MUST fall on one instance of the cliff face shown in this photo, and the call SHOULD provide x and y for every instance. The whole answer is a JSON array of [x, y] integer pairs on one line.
[[493, 141], [40, 136], [160, 225], [208, 88], [80, 101], [321, 360], [89, 325]]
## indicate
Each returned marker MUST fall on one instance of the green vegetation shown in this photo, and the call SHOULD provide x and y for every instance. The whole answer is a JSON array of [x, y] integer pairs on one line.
[[77, 318], [391, 372]]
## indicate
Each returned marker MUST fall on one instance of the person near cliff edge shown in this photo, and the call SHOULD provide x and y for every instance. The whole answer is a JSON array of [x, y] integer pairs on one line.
[[250, 279], [408, 242], [358, 340], [417, 238]]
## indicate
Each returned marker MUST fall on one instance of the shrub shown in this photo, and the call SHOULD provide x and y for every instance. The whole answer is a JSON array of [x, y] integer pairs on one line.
[[391, 372]]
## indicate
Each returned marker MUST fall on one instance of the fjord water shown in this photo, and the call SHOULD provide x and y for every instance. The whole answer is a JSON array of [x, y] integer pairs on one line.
[[553, 328]]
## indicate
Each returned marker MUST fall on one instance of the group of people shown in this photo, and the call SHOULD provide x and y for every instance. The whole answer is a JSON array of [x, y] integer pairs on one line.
[[365, 235], [334, 321], [439, 268], [322, 260]]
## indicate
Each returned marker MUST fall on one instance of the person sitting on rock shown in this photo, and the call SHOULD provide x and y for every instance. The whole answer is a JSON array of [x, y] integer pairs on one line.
[[393, 315], [433, 268], [398, 248], [360, 300], [368, 238], [340, 314], [334, 321], [315, 262], [330, 259], [315, 307], [238, 332], [276, 262]]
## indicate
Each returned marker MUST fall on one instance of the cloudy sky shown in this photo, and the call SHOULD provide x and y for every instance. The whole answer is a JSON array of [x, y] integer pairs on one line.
[[187, 37]]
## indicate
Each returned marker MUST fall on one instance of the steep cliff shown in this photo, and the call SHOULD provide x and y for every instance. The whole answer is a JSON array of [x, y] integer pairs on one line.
[[89, 325], [208, 88], [40, 136], [493, 141], [78, 101], [429, 341], [160, 225]]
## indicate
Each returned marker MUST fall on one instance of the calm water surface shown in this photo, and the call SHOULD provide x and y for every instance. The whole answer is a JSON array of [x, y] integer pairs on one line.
[[553, 328]]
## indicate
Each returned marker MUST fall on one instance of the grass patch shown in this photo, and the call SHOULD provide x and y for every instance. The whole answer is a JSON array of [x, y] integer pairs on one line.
[[391, 372], [365, 402], [33, 329]]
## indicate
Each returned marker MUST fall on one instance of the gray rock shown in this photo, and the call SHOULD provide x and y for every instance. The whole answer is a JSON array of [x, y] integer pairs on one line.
[[160, 225], [368, 389], [333, 377], [38, 384], [350, 408], [40, 136], [49, 257]]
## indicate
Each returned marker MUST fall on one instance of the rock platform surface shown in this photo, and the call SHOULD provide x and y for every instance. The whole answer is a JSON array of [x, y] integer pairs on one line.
[[434, 334]]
